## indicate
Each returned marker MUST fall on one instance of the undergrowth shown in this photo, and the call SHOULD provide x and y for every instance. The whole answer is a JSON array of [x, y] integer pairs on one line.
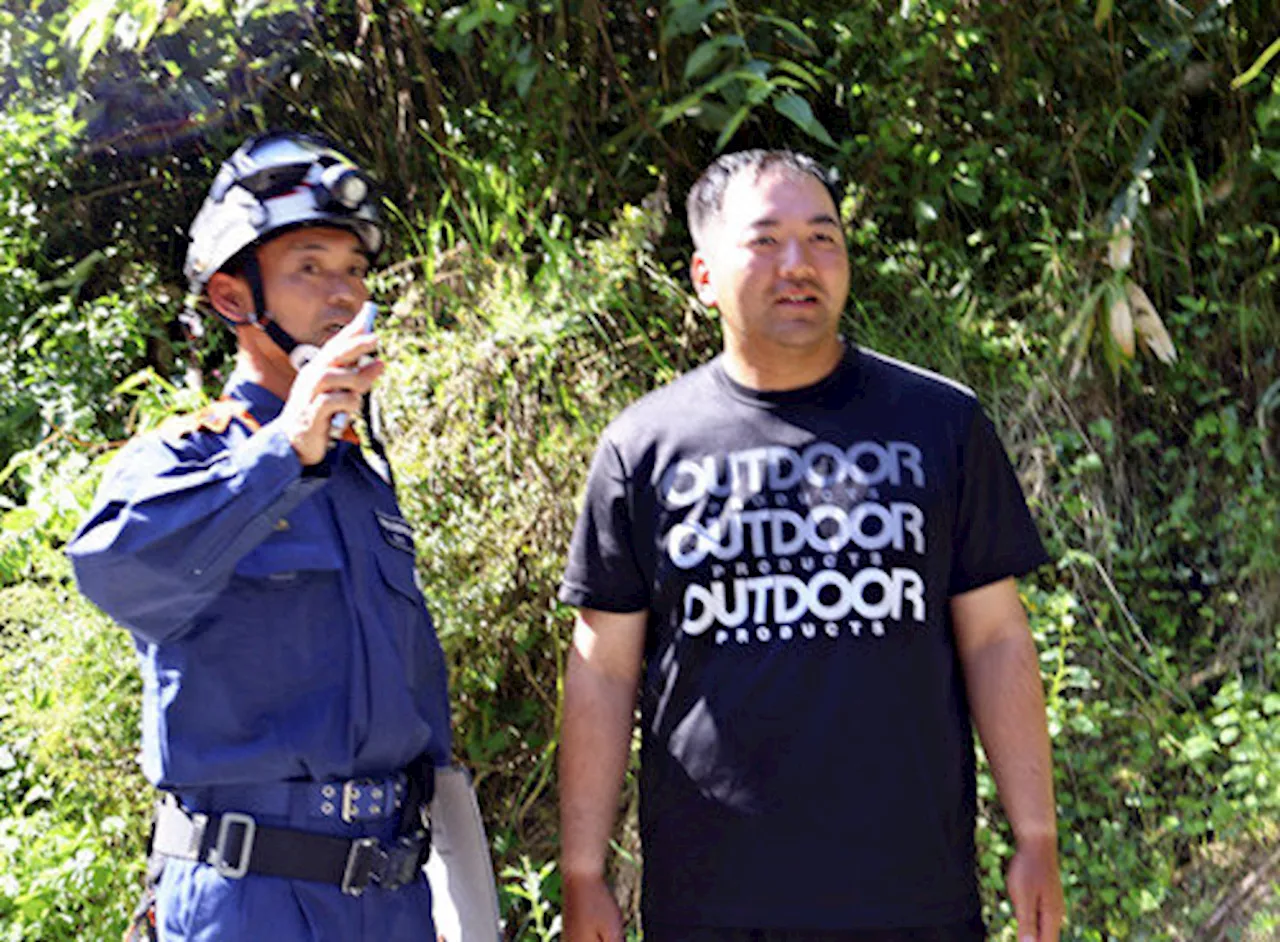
[[1009, 170]]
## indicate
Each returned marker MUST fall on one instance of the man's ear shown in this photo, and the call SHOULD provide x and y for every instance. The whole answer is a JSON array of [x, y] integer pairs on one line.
[[230, 297], [700, 274]]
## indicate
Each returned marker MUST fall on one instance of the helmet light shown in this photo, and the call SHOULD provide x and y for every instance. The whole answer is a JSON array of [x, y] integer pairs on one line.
[[344, 186]]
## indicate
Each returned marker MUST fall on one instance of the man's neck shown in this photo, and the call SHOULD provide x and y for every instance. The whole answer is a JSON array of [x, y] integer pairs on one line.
[[780, 371], [273, 373]]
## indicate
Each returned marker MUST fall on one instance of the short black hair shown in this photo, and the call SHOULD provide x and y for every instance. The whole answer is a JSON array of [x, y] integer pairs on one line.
[[706, 196]]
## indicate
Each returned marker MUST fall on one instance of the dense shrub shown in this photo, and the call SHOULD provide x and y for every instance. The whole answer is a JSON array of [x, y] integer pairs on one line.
[[1008, 169]]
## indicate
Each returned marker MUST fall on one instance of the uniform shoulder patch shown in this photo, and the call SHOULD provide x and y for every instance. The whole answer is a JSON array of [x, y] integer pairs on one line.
[[215, 417]]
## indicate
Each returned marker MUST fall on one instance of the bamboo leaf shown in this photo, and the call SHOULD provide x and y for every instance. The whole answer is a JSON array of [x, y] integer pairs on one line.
[[1120, 321], [1196, 197], [1148, 325], [1120, 247]]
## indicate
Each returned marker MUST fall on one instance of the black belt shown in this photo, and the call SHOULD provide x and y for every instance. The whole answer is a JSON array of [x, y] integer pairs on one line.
[[235, 845]]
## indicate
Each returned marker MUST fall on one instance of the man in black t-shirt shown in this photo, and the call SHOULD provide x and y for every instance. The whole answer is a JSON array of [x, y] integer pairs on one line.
[[802, 555]]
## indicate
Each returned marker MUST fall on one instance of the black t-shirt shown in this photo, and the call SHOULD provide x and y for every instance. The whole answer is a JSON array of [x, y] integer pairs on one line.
[[807, 760]]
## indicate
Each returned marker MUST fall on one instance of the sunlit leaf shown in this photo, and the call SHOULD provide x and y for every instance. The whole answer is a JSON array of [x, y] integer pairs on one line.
[[1102, 13], [803, 74], [1259, 64], [925, 212], [1198, 746]]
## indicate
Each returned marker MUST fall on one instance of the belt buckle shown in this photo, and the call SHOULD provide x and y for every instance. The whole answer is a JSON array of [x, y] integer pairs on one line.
[[361, 862], [353, 791], [219, 859], [401, 863]]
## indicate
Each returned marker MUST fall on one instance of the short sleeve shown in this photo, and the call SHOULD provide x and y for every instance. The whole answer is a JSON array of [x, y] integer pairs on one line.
[[995, 536], [603, 571]]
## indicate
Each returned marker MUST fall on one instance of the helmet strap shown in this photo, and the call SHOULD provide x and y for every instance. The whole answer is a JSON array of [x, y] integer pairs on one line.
[[260, 317]]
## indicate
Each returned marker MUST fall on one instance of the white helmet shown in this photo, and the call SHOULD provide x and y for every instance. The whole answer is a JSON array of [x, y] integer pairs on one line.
[[274, 182]]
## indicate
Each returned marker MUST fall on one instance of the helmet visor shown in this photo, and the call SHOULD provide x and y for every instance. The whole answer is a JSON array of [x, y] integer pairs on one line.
[[271, 182]]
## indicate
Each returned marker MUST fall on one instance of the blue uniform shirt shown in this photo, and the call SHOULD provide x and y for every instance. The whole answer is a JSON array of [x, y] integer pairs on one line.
[[275, 608]]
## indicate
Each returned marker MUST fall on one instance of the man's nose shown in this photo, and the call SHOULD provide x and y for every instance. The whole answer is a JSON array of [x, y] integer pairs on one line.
[[794, 258], [342, 288]]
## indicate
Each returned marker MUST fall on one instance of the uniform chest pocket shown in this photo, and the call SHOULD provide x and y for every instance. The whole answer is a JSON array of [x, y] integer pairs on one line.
[[414, 633], [399, 573]]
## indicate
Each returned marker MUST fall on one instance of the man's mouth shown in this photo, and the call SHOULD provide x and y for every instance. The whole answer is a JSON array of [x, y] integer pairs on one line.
[[797, 298]]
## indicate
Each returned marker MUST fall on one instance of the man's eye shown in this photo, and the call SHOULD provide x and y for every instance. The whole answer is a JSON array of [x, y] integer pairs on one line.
[[764, 240], [824, 237]]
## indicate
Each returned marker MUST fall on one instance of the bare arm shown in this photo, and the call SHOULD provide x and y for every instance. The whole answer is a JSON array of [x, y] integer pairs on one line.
[[595, 740], [1006, 699]]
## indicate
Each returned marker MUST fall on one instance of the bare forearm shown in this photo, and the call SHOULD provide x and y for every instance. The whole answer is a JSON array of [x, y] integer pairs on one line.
[[594, 747], [1007, 702]]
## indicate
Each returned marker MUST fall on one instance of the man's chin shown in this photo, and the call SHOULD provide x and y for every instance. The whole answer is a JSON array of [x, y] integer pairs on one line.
[[805, 335]]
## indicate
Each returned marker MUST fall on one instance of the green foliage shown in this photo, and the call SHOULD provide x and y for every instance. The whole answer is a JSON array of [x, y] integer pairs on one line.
[[73, 806], [493, 420], [534, 893], [751, 59], [996, 160]]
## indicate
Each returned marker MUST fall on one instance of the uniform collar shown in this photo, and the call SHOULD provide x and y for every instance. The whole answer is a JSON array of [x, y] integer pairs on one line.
[[263, 404]]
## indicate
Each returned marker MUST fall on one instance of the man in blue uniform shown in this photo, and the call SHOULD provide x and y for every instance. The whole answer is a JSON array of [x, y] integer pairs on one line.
[[294, 690]]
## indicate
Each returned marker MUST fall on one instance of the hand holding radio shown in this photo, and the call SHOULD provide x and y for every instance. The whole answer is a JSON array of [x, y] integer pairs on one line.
[[329, 387]]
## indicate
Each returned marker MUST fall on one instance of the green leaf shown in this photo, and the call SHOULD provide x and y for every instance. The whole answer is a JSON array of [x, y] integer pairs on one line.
[[1102, 13], [525, 79], [1268, 112], [1198, 746], [88, 30], [793, 34], [803, 74], [732, 126], [749, 79], [791, 105], [925, 212], [967, 190], [20, 520], [1196, 196], [471, 21], [687, 16], [706, 54]]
